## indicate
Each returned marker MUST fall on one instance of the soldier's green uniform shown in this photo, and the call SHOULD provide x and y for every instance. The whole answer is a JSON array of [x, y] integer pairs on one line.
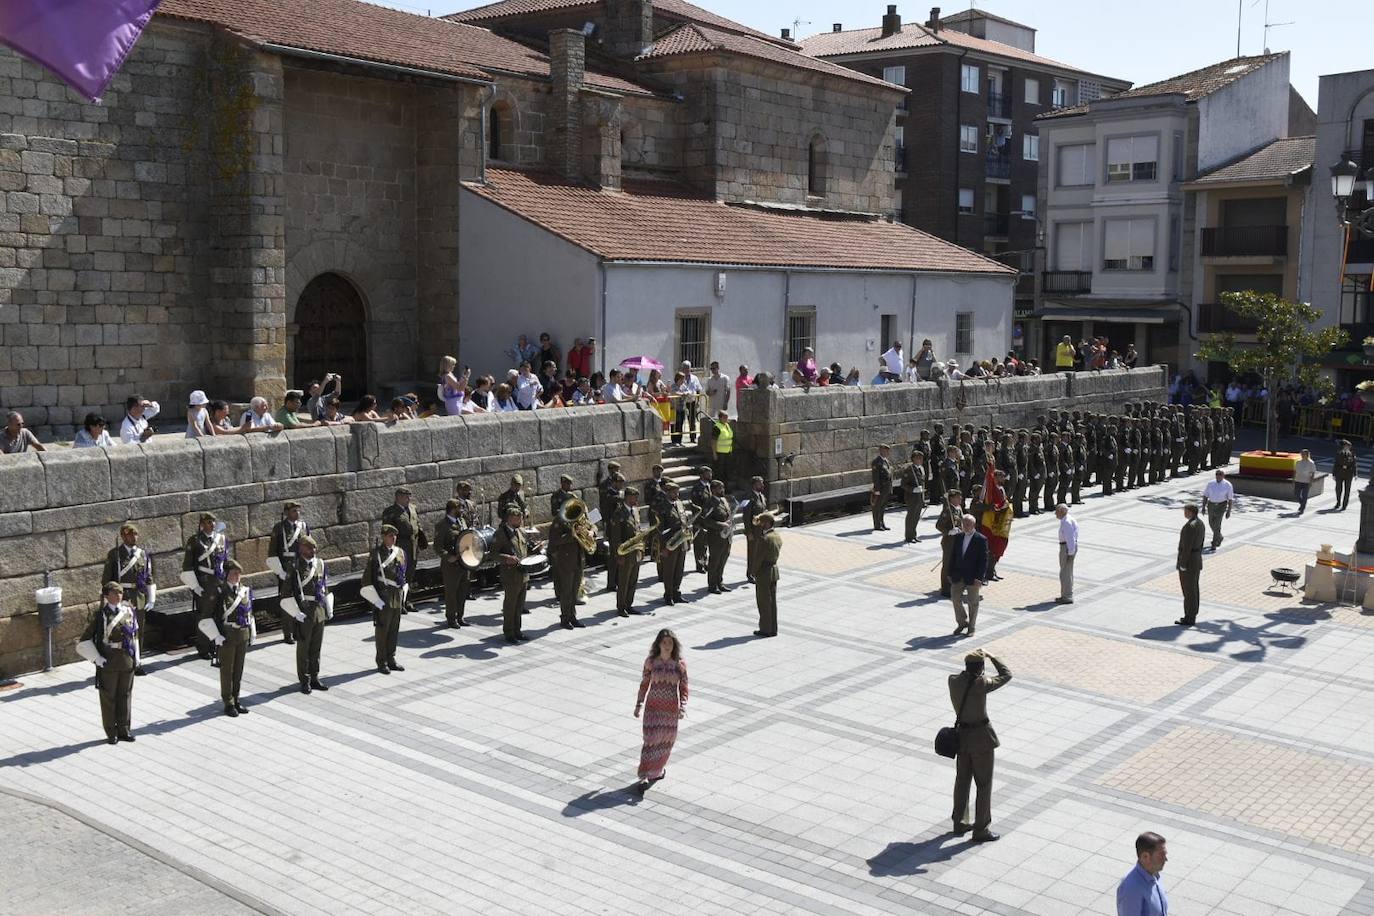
[[670, 560], [406, 521], [625, 524], [1021, 455], [608, 501], [286, 535], [1079, 451], [1106, 459], [766, 590], [882, 488], [1343, 470], [566, 560], [114, 631], [1037, 473], [510, 547], [1068, 471], [914, 493], [231, 612], [700, 496], [936, 467], [1051, 451], [511, 498], [951, 514], [206, 555], [718, 527], [309, 586], [758, 503], [388, 573], [132, 567], [459, 515], [922, 445]]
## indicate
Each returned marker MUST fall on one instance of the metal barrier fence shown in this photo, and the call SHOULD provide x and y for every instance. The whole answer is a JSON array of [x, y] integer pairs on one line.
[[1323, 422]]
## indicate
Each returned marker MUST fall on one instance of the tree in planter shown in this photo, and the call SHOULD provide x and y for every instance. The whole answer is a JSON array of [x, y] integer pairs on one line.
[[1286, 347]]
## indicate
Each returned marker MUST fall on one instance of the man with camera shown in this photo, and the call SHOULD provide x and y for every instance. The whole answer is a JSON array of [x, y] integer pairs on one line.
[[968, 692]]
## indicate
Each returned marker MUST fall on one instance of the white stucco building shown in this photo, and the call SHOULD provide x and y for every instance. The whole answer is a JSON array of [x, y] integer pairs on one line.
[[655, 270]]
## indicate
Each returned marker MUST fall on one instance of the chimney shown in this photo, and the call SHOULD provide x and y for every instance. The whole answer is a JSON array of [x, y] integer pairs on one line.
[[892, 22], [837, 27], [629, 27], [567, 68], [934, 23], [786, 34]]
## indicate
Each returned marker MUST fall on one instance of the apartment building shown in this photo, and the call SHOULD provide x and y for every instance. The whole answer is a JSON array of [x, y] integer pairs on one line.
[[1123, 228], [968, 151]]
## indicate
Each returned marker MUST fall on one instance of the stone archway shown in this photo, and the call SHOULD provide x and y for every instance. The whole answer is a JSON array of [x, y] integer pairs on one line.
[[331, 334]]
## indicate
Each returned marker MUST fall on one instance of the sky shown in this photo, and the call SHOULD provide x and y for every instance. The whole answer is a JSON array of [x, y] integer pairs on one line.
[[1143, 42]]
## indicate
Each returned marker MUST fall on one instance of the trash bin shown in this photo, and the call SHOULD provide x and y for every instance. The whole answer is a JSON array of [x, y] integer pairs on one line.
[[49, 602]]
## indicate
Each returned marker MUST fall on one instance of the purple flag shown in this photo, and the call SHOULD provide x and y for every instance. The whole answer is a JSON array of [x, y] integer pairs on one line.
[[82, 41]]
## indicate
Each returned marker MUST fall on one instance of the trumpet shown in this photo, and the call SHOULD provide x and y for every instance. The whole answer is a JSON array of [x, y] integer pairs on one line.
[[573, 513]]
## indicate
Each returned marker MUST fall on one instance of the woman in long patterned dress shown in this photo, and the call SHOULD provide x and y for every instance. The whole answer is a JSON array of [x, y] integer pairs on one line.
[[664, 689]]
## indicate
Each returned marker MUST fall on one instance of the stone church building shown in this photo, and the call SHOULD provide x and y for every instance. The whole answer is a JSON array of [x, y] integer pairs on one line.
[[269, 191]]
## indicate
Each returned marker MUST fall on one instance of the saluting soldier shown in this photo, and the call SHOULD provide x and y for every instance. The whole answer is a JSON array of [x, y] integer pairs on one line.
[[132, 567], [511, 547], [718, 527], [766, 591], [458, 517], [566, 560], [608, 497], [914, 493], [402, 516], [282, 546], [387, 572], [202, 569], [625, 524], [757, 502], [230, 618], [114, 633], [700, 498], [309, 586], [1037, 473], [670, 560], [951, 514], [882, 486]]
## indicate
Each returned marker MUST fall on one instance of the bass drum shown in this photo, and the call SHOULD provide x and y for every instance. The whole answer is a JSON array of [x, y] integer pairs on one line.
[[474, 548]]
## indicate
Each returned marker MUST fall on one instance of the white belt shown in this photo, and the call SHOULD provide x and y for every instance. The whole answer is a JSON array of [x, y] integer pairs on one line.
[[206, 569]]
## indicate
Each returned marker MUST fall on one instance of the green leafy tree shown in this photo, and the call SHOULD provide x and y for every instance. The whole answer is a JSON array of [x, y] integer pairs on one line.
[[1286, 347]]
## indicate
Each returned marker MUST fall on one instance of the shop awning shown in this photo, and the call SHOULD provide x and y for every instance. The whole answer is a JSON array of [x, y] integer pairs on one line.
[[1107, 310]]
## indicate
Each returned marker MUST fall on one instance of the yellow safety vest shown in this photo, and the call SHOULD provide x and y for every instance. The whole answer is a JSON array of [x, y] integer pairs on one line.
[[725, 438]]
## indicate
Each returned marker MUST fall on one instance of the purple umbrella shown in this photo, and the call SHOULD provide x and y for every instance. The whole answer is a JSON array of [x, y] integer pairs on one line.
[[641, 363]]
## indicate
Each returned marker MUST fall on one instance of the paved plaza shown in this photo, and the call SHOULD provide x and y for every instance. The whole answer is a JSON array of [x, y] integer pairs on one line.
[[495, 779]]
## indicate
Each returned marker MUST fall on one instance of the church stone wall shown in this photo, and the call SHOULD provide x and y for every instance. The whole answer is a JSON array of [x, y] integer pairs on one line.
[[60, 510]]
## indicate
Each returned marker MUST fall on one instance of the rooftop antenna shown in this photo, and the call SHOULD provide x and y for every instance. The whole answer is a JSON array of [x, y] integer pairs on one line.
[[796, 26], [1271, 25]]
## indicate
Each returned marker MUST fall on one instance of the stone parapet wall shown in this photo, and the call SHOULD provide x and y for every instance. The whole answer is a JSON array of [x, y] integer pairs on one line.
[[834, 431], [60, 511]]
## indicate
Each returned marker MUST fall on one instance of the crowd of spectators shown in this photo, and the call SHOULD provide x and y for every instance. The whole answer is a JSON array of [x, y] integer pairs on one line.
[[895, 367]]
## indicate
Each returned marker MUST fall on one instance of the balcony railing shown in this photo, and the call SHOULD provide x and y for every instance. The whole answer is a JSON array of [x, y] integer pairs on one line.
[[1244, 241], [998, 167], [1067, 282], [1213, 317], [999, 105], [899, 158], [996, 223]]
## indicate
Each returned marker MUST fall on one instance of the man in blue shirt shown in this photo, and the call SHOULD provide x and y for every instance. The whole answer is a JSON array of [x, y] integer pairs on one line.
[[1139, 893]]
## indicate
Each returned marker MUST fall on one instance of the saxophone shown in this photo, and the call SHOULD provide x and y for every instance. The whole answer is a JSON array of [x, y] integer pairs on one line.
[[686, 534]]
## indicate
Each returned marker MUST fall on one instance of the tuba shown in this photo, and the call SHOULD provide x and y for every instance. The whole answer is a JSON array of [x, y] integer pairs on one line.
[[573, 513]]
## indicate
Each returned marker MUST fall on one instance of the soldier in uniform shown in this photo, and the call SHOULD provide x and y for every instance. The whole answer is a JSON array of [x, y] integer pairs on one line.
[[566, 561], [718, 527], [653, 488], [670, 560], [936, 470], [402, 516], [1022, 459], [625, 523], [1343, 470], [758, 502], [922, 445], [556, 501], [1106, 458], [949, 471], [1051, 450], [511, 547], [387, 572], [1037, 472], [230, 615], [1079, 458], [1068, 470], [114, 632], [608, 498], [700, 496], [914, 493], [882, 486], [766, 592], [132, 567], [309, 586], [458, 517], [512, 498], [286, 534], [1178, 432], [1125, 452], [965, 462], [951, 515], [203, 564], [1194, 443], [937, 446]]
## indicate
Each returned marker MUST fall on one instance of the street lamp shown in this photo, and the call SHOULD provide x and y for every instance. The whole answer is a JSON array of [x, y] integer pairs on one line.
[[1343, 181], [1345, 175]]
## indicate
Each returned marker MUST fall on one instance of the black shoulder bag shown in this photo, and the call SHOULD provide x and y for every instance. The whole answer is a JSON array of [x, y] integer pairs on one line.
[[947, 738]]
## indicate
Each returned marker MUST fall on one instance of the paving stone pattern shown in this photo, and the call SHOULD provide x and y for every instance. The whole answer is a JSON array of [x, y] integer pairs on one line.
[[496, 779]]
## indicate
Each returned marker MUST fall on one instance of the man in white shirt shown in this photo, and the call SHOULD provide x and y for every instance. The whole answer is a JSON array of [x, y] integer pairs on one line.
[[258, 415], [689, 390], [1217, 500], [137, 412], [1303, 473], [1068, 549], [894, 362], [527, 388], [718, 390]]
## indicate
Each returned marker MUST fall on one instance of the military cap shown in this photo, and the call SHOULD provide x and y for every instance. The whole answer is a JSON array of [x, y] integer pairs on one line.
[[974, 658], [307, 539], [632, 491], [705, 469], [615, 465], [762, 517], [513, 509], [517, 480], [128, 527], [617, 477], [388, 529], [111, 586], [292, 504], [464, 485], [451, 505], [670, 484], [565, 478], [207, 517], [403, 491], [232, 566]]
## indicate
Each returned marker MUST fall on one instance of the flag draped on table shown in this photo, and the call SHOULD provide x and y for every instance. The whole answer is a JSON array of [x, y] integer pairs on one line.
[[995, 524], [82, 41]]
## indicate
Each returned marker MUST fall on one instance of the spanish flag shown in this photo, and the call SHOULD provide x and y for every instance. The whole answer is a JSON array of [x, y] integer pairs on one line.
[[996, 522]]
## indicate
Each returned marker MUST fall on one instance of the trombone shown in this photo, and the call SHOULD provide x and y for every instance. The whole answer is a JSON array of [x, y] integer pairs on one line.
[[573, 513]]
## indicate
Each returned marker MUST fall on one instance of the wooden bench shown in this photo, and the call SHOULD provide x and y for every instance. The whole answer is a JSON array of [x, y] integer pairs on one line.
[[844, 501]]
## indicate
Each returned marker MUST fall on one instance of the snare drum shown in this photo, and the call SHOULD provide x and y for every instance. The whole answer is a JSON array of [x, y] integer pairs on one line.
[[474, 548], [534, 564]]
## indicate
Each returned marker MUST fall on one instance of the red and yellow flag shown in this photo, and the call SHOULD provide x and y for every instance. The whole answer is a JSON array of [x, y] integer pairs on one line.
[[996, 522]]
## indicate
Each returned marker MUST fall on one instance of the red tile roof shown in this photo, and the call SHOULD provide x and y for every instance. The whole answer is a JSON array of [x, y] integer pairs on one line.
[[1276, 161], [700, 39], [676, 9], [914, 35], [351, 28], [1192, 85], [662, 221]]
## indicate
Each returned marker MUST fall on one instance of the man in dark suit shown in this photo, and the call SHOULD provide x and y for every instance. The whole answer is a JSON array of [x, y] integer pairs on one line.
[[968, 569], [1190, 541]]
